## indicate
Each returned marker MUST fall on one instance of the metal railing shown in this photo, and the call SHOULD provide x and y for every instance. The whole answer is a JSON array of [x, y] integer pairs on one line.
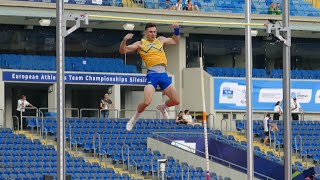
[[244, 123], [89, 109], [16, 119], [104, 154], [122, 153], [44, 129], [127, 110], [72, 109], [211, 157], [296, 145], [274, 138], [226, 122], [70, 136], [116, 110], [136, 168], [4, 118], [182, 171], [21, 115], [74, 142], [42, 124], [154, 158], [300, 115], [94, 144], [306, 159]]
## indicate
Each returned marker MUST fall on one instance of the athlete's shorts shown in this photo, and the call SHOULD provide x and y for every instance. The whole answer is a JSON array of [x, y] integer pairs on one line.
[[161, 79]]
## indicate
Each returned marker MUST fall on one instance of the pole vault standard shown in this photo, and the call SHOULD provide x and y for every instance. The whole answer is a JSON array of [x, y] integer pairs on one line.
[[272, 28], [62, 32], [248, 60]]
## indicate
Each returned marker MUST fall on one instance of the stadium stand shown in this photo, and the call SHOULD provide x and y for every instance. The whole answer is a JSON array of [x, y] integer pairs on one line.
[[22, 158], [113, 137], [262, 73], [306, 147], [297, 7], [88, 64]]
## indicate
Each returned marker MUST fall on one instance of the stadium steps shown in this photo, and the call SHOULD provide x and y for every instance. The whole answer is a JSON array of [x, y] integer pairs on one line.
[[91, 160], [241, 137]]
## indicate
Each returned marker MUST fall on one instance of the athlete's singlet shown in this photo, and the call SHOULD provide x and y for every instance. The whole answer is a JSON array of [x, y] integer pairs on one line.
[[152, 53]]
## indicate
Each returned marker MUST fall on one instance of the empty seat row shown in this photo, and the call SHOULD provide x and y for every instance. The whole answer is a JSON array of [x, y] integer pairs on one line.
[[88, 64], [262, 73]]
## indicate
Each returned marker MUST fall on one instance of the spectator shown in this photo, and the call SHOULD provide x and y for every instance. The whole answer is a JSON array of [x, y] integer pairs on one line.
[[105, 105], [277, 10], [187, 117], [295, 109], [179, 118], [21, 108], [268, 127], [277, 111], [191, 7], [271, 8], [178, 6], [167, 5]]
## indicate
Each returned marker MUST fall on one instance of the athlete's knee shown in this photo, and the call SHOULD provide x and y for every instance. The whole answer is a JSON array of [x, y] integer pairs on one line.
[[176, 101], [147, 102]]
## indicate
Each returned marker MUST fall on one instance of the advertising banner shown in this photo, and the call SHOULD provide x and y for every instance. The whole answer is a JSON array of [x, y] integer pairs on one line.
[[230, 94]]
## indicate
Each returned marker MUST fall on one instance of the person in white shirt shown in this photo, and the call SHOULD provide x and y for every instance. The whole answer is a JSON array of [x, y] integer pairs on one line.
[[277, 111], [105, 104], [21, 107], [295, 109], [267, 127], [178, 6], [187, 117]]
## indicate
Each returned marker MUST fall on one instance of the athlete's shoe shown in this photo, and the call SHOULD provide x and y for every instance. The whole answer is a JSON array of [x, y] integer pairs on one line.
[[163, 111], [131, 123]]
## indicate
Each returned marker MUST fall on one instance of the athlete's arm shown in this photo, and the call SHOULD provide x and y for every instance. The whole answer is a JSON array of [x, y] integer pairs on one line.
[[174, 39], [131, 48]]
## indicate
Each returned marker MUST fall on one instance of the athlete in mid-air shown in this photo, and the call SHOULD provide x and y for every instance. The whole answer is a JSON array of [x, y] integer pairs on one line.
[[152, 53]]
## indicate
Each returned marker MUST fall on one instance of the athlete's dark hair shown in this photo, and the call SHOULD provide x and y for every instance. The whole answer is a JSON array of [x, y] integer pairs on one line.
[[149, 25]]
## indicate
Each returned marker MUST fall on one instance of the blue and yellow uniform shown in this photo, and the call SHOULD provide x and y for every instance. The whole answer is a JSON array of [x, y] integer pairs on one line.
[[153, 55]]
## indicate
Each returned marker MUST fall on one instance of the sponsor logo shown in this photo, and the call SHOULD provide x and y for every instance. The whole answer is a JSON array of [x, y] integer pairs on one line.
[[232, 93], [302, 95], [270, 95], [227, 92]]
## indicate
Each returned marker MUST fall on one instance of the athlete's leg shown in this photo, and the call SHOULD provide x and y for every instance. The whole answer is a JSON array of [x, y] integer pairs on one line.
[[173, 95], [169, 90], [148, 93], [173, 100]]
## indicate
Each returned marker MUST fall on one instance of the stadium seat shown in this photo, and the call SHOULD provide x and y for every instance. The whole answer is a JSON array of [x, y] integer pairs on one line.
[[27, 62]]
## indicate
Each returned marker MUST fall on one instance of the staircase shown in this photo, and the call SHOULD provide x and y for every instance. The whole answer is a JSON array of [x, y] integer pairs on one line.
[[265, 149], [86, 156]]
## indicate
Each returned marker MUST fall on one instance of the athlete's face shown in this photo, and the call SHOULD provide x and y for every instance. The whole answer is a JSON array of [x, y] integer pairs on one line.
[[151, 33]]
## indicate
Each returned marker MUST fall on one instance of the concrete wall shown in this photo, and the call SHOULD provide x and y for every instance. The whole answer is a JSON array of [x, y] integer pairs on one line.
[[52, 97], [68, 101], [2, 103], [8, 107], [176, 63], [133, 98], [116, 100], [193, 159], [192, 90]]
